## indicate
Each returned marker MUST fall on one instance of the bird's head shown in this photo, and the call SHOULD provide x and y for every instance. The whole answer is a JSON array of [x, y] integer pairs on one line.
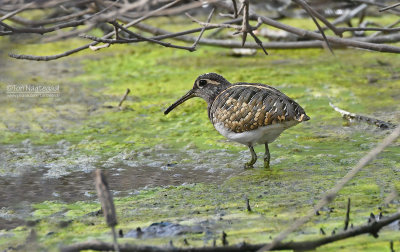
[[206, 86]]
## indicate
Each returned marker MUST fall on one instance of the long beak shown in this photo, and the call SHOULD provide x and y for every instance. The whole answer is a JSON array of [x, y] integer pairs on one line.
[[184, 98]]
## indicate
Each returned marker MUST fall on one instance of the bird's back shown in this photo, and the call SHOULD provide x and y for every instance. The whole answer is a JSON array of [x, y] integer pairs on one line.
[[244, 107]]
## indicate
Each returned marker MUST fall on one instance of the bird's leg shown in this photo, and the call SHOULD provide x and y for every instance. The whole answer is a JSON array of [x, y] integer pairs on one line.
[[253, 158], [267, 157]]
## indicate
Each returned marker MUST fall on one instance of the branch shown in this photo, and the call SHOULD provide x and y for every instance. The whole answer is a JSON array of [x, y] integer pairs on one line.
[[377, 3], [311, 12], [389, 7], [202, 30], [351, 116], [370, 228], [16, 11], [129, 41], [346, 221], [124, 97], [344, 29]]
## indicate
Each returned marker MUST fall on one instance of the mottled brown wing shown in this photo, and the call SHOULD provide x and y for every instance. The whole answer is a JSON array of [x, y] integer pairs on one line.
[[244, 107]]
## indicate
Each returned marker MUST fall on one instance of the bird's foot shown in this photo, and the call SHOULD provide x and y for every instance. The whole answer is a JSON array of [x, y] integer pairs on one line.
[[266, 165], [248, 165]]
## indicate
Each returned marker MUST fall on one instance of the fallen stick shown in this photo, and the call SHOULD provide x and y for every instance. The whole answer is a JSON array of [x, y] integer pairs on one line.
[[124, 97], [351, 116]]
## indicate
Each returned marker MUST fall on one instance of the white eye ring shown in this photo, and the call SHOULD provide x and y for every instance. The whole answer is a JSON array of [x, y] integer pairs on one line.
[[202, 83]]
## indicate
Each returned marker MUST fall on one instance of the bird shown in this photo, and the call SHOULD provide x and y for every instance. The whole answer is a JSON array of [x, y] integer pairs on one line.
[[247, 113]]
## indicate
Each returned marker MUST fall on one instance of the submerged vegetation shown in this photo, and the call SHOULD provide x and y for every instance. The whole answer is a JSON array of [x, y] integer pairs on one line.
[[87, 133]]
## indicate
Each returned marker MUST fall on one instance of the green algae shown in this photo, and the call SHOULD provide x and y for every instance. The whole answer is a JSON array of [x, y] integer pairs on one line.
[[306, 160]]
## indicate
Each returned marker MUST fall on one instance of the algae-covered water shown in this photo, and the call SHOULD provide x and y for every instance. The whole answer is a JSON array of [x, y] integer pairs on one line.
[[177, 169]]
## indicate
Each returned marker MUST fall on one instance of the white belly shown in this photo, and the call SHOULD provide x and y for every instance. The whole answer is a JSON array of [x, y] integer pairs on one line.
[[262, 135]]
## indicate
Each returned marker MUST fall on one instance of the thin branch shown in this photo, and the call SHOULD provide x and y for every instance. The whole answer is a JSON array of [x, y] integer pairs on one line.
[[388, 26], [340, 41], [210, 25], [51, 57], [348, 15], [377, 3], [344, 29], [59, 19], [152, 13], [7, 26], [129, 41], [389, 7], [8, 15], [68, 34], [204, 28], [346, 221], [139, 38], [124, 97], [351, 116], [107, 203], [311, 12]]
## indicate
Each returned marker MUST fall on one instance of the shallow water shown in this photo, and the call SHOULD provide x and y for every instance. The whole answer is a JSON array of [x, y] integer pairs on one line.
[[31, 174]]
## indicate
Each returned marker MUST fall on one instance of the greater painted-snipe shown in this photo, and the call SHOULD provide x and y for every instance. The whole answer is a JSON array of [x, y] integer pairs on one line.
[[247, 113]]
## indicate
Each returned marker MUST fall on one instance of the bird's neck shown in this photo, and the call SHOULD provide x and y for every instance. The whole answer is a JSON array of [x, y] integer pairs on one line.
[[213, 93]]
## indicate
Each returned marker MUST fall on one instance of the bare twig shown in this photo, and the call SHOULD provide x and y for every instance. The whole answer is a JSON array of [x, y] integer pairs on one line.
[[344, 29], [68, 34], [346, 221], [391, 246], [389, 7], [152, 13], [331, 194], [393, 195], [376, 3], [311, 12], [96, 48], [124, 97], [10, 14], [140, 38], [202, 30], [340, 41], [314, 13], [107, 203], [224, 241], [210, 25], [351, 116], [348, 15], [248, 205], [388, 26]]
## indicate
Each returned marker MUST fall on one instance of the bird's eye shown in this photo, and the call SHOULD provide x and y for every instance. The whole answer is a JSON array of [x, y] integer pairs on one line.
[[202, 83]]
